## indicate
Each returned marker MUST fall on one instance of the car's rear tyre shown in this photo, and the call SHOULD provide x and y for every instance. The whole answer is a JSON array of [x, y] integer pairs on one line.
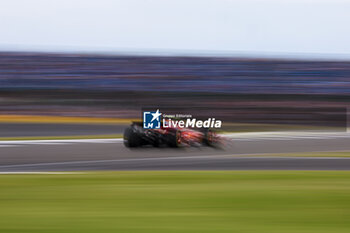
[[131, 139], [174, 139]]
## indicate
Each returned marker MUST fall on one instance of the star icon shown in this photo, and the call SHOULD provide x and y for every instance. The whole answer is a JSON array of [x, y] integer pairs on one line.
[[155, 115]]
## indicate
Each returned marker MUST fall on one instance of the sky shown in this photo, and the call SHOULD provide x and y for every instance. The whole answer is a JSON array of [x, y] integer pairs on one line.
[[209, 26]]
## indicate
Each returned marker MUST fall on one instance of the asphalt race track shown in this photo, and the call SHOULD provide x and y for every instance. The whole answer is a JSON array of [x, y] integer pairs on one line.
[[243, 152]]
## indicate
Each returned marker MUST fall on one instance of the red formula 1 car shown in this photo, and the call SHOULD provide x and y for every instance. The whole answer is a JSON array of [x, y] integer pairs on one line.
[[136, 136]]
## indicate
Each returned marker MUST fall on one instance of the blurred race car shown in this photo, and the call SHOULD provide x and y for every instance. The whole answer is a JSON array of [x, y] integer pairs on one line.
[[136, 136]]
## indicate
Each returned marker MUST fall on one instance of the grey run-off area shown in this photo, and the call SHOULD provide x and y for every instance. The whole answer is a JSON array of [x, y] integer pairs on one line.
[[243, 152]]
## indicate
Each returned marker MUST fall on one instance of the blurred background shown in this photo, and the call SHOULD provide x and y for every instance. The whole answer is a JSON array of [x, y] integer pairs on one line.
[[84, 69], [256, 65]]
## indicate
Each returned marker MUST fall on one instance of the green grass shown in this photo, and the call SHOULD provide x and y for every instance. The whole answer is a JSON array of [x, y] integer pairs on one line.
[[174, 201]]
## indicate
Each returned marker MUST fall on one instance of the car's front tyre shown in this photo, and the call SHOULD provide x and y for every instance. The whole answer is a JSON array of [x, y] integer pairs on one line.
[[210, 138]]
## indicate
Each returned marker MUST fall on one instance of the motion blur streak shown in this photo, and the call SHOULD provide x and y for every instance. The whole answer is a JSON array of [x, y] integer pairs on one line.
[[231, 89]]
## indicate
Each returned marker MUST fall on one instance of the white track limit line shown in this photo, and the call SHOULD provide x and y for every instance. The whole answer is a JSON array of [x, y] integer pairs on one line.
[[25, 142]]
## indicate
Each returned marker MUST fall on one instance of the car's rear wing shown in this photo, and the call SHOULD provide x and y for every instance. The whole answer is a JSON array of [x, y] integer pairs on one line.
[[138, 123]]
